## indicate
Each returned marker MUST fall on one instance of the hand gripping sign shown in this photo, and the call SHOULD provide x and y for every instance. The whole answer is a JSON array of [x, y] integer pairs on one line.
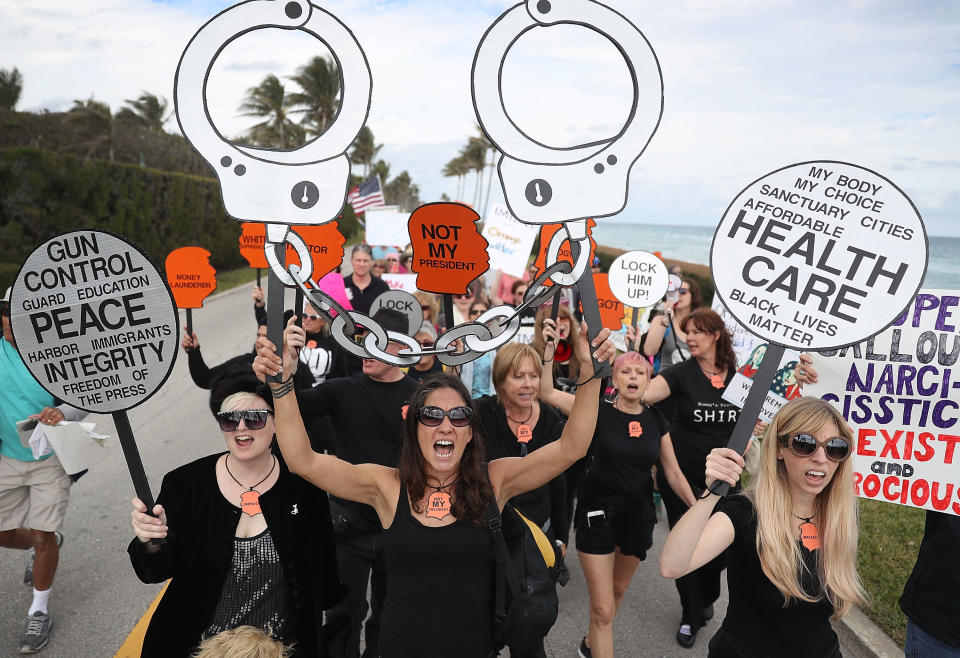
[[814, 256], [306, 185], [543, 184], [97, 328], [191, 278]]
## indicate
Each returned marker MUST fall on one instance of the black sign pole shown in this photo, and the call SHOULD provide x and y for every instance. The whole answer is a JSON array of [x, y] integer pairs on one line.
[[636, 337], [753, 405], [258, 277], [448, 310], [135, 466], [298, 307], [591, 306], [190, 323], [275, 294]]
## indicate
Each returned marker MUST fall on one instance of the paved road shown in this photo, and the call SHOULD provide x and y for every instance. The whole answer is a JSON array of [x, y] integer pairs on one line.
[[97, 600]]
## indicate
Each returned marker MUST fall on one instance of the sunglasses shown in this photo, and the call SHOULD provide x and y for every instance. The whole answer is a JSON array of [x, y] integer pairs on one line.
[[478, 311], [425, 343], [804, 445], [311, 316], [254, 419], [683, 291], [392, 260], [433, 416]]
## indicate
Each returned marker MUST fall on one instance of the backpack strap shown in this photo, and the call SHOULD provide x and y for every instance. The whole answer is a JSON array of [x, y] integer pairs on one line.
[[505, 573]]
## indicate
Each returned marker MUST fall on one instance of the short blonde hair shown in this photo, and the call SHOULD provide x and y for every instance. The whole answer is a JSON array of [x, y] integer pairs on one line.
[[509, 359], [231, 401], [242, 642]]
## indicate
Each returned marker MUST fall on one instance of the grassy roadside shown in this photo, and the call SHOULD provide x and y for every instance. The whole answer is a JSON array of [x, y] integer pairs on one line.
[[890, 538]]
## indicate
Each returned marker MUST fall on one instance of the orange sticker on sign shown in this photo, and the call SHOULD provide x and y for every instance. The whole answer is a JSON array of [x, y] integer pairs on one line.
[[190, 276], [564, 254], [252, 237], [611, 308], [635, 429], [448, 250], [250, 502]]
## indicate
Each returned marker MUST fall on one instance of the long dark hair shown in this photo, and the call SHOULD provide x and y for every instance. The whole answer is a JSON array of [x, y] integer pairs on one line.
[[471, 492], [707, 320]]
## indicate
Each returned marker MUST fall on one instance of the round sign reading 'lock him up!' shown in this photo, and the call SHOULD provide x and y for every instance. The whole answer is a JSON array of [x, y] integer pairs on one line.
[[94, 321], [819, 255]]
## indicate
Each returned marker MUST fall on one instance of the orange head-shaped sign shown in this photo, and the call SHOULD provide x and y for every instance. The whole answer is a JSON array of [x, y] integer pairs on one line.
[[611, 308], [190, 276], [252, 237], [448, 251], [546, 234], [325, 244]]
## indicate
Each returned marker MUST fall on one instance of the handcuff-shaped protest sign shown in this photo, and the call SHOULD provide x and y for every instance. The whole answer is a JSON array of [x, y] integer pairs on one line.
[[97, 327], [814, 256], [543, 184]]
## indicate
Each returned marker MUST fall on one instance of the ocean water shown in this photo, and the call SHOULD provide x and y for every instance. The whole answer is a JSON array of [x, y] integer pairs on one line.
[[692, 244]]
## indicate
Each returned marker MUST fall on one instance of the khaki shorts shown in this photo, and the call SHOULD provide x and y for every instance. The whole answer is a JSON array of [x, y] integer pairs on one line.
[[33, 494]]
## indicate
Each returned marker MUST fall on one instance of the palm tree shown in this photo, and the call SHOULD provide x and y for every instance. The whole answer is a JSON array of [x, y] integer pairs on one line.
[[457, 167], [493, 154], [319, 99], [381, 169], [475, 157], [91, 123], [402, 192], [270, 100], [149, 111], [11, 86], [364, 149]]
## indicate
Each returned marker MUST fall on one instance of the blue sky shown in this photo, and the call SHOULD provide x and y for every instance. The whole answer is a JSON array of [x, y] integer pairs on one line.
[[750, 85]]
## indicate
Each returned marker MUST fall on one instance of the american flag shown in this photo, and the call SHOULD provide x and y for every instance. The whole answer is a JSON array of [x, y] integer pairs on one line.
[[368, 194]]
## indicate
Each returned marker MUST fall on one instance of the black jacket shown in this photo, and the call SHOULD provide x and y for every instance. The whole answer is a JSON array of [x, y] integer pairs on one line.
[[199, 548], [930, 597]]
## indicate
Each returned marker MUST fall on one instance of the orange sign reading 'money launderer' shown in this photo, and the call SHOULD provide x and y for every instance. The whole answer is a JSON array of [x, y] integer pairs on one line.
[[190, 276], [324, 242], [448, 250]]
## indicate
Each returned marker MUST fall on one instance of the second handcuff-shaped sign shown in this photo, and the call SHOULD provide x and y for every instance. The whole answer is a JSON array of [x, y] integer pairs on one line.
[[305, 185], [544, 184]]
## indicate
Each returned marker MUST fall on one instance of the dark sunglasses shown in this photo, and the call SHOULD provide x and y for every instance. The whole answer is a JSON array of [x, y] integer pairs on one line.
[[433, 416], [254, 419], [479, 311], [683, 291], [804, 445]]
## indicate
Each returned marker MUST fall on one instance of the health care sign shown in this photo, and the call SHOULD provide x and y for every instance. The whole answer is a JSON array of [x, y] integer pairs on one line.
[[94, 321], [900, 393]]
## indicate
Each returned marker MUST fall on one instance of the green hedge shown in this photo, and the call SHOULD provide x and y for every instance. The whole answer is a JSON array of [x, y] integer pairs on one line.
[[44, 193]]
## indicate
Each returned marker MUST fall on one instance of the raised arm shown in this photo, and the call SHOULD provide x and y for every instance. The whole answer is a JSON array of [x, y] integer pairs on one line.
[[371, 484], [655, 334], [699, 537], [511, 476], [548, 393]]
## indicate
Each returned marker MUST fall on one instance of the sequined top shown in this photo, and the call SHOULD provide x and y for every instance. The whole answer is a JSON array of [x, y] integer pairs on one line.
[[255, 591]]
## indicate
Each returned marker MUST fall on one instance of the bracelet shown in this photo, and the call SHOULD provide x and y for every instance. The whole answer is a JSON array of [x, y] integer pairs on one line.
[[706, 492], [282, 389]]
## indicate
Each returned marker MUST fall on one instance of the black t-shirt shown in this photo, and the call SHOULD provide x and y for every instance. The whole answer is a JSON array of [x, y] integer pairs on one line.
[[703, 419], [624, 449], [420, 375], [548, 501], [757, 624], [367, 420], [361, 300]]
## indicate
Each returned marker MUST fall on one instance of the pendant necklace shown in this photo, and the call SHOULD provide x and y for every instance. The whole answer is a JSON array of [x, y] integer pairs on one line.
[[715, 379], [249, 499], [438, 503], [809, 536], [524, 431]]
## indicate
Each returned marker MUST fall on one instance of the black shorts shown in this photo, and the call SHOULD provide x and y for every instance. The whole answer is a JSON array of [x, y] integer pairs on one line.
[[626, 523]]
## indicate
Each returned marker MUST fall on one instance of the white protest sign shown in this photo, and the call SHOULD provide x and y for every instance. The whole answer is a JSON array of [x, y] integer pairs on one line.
[[404, 302], [509, 241], [94, 321], [783, 389], [638, 278], [386, 227], [899, 394], [407, 282], [819, 254]]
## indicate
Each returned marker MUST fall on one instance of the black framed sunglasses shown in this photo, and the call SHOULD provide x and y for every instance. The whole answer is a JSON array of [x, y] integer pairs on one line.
[[253, 419], [683, 291], [433, 416], [804, 445]]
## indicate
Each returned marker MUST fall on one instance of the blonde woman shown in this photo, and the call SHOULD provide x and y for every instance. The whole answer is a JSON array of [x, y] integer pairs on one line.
[[790, 539]]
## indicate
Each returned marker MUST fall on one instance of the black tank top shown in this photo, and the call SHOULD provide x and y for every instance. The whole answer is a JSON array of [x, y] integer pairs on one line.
[[439, 589]]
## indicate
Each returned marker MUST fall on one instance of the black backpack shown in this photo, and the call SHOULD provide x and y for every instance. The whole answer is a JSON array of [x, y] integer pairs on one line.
[[525, 558]]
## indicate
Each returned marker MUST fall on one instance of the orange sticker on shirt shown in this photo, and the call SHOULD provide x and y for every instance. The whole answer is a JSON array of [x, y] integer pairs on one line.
[[524, 433], [448, 250], [250, 503], [438, 505], [635, 429], [403, 411], [716, 381], [809, 536], [190, 276]]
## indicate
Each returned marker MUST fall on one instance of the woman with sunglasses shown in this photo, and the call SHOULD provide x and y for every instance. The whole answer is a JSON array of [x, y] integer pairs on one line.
[[702, 420], [790, 539], [245, 542], [439, 552]]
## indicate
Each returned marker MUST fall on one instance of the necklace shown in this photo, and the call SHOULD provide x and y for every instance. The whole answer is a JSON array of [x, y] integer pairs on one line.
[[715, 379], [809, 536], [249, 499], [524, 431], [438, 503]]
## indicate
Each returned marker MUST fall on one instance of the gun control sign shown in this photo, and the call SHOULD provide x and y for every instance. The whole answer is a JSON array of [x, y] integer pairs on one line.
[[94, 321], [820, 247], [900, 393]]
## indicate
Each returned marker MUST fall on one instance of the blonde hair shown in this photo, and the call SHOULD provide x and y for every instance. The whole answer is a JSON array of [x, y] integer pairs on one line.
[[835, 509], [508, 360], [428, 299], [231, 401], [242, 642]]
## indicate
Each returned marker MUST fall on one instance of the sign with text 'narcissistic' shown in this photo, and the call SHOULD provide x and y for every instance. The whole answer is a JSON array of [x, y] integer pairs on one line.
[[94, 321], [819, 255]]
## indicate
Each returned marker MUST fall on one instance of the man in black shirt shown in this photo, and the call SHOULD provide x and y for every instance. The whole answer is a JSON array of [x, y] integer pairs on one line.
[[367, 413], [362, 287]]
